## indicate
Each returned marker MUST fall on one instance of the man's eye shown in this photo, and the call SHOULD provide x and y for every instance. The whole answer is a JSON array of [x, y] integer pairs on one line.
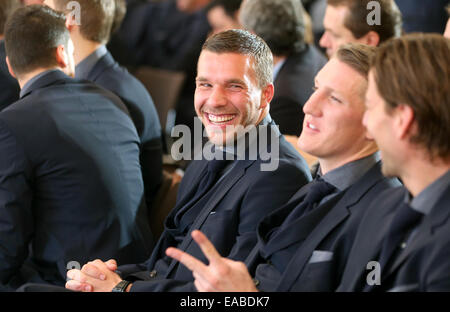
[[235, 87], [314, 89], [335, 99]]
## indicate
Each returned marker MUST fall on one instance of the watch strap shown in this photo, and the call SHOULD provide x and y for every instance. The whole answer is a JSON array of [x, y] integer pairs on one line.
[[121, 286]]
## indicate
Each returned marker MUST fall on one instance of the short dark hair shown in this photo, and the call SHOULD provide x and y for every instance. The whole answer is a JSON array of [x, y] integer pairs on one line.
[[356, 19], [32, 34], [279, 22], [6, 8], [229, 6], [415, 70], [243, 42], [97, 18]]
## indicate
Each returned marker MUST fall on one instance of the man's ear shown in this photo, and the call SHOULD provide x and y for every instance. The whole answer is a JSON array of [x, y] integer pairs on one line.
[[70, 25], [10, 68], [61, 56], [372, 38], [267, 95], [404, 123]]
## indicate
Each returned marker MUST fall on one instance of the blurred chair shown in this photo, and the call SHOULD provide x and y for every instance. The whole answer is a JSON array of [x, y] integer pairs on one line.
[[164, 202], [164, 86]]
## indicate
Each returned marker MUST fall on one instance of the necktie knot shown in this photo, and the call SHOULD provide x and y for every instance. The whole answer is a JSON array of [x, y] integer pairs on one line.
[[318, 190], [405, 219]]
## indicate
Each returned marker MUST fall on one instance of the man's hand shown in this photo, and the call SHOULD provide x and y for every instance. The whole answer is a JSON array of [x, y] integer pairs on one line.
[[221, 274], [95, 276]]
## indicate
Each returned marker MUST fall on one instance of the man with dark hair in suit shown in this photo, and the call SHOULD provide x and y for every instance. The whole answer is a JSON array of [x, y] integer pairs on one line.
[[408, 229], [95, 63], [295, 62], [234, 90], [303, 245], [360, 21], [70, 180], [9, 88]]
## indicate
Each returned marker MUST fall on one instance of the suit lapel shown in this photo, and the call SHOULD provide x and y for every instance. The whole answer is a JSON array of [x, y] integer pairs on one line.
[[190, 186], [369, 239], [225, 185], [300, 259], [277, 217], [298, 231]]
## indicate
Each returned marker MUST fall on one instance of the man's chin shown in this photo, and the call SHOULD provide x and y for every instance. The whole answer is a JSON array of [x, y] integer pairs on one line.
[[221, 140]]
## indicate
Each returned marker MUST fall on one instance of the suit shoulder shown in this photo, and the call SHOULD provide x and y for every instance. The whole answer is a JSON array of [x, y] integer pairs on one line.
[[383, 202], [118, 79], [131, 91]]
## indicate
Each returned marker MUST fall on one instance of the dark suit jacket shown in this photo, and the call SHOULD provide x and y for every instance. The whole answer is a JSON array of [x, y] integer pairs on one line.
[[9, 88], [70, 182], [229, 218], [424, 265], [420, 16], [169, 35], [109, 75], [321, 239], [293, 87]]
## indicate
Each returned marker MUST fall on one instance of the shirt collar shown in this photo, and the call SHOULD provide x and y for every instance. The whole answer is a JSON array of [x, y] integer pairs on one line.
[[30, 82], [426, 199], [83, 68], [348, 174]]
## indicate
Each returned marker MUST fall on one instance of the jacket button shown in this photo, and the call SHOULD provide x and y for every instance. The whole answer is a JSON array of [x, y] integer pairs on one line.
[[153, 273]]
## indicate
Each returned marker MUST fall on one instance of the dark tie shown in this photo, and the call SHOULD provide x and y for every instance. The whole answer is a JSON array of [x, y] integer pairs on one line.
[[214, 168], [281, 237], [404, 221], [317, 191]]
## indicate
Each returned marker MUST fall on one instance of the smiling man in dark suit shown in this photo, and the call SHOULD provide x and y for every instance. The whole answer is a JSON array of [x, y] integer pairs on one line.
[[303, 245], [406, 234], [70, 181], [8, 85], [95, 63], [234, 90]]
